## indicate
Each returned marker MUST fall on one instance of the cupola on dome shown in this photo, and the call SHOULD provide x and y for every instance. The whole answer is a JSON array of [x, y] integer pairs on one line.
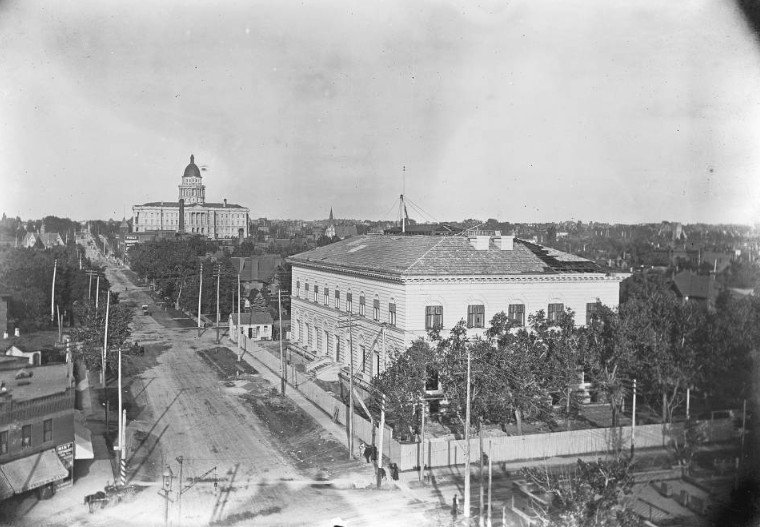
[[192, 169]]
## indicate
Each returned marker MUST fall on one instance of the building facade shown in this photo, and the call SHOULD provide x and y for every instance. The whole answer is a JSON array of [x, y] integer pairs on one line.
[[37, 430], [371, 296], [190, 213]]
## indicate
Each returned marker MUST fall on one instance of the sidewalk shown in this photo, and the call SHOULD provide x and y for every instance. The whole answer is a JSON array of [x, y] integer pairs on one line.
[[336, 430]]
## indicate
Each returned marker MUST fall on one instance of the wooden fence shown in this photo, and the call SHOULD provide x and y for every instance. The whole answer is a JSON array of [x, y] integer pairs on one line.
[[443, 452]]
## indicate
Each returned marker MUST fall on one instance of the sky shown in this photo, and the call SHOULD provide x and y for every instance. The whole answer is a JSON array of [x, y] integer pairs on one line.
[[523, 111]]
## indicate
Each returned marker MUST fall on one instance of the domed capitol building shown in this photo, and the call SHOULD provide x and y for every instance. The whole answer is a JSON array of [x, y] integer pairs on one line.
[[191, 214]]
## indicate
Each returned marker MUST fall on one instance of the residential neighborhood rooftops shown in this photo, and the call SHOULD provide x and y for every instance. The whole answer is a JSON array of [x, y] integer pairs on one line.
[[443, 255]]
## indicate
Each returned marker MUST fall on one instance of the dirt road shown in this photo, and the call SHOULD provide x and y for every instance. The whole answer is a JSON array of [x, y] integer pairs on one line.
[[233, 471]]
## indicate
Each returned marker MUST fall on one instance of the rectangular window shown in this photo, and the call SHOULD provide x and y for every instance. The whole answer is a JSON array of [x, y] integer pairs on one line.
[[349, 303], [392, 314], [365, 362], [316, 293], [26, 436], [3, 443], [47, 430], [517, 314], [433, 317], [308, 334], [376, 309], [361, 306], [555, 312], [476, 316], [298, 288], [337, 299], [326, 296], [306, 289], [591, 311]]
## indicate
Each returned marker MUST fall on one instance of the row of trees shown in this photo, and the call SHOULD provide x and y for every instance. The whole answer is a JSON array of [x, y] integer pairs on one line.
[[522, 372], [26, 276]]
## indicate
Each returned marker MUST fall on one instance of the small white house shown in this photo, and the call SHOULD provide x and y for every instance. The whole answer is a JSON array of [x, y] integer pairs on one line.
[[33, 357], [254, 326]]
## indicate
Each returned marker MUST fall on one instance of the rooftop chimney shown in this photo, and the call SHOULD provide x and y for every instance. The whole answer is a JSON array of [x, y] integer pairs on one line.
[[480, 243], [505, 243], [225, 202]]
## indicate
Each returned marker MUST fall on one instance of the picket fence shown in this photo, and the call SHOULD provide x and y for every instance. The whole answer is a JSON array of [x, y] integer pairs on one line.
[[442, 452]]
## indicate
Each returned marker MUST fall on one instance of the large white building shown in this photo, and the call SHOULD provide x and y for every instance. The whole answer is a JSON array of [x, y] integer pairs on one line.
[[191, 213], [398, 287]]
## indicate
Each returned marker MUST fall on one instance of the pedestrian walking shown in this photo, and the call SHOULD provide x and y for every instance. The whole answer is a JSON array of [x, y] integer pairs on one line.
[[455, 505], [394, 471], [426, 475], [362, 448]]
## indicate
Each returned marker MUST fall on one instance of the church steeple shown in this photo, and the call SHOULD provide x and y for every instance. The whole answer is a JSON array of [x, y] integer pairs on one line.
[[331, 216]]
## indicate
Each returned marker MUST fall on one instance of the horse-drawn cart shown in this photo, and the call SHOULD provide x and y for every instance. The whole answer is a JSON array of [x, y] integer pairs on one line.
[[111, 494]]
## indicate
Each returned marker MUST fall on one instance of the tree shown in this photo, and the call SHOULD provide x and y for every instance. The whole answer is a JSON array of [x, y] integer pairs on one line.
[[593, 494], [663, 332], [257, 301], [89, 334], [403, 385]]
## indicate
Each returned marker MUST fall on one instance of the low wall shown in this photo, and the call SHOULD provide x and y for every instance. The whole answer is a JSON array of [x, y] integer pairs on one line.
[[501, 448]]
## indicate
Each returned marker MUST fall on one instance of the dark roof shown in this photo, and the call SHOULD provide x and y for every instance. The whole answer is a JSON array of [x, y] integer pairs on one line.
[[692, 285], [191, 170], [439, 255], [254, 317], [257, 268], [170, 204]]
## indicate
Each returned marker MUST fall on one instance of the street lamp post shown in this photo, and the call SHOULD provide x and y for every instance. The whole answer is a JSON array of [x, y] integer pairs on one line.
[[168, 475]]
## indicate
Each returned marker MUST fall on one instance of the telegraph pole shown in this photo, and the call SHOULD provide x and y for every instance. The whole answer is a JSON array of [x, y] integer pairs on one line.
[[218, 275], [97, 292], [466, 511], [351, 388], [282, 356], [105, 337], [200, 294], [52, 293]]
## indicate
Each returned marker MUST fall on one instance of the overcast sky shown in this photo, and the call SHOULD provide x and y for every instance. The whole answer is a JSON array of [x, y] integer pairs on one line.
[[527, 110]]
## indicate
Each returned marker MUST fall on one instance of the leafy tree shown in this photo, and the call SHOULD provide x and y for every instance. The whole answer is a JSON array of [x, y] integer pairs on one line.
[[403, 385], [89, 334], [258, 303], [593, 494]]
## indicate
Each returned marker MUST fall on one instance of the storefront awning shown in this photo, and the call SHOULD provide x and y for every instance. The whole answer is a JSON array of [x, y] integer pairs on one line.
[[6, 491], [83, 440], [34, 471]]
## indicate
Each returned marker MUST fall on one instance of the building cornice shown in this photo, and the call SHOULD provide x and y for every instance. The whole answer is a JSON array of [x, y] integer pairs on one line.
[[470, 279]]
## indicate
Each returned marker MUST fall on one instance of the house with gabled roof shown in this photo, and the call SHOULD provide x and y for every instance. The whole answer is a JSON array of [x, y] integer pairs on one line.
[[390, 290]]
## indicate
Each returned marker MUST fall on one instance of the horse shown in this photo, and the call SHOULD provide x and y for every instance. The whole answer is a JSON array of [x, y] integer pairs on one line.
[[99, 500], [369, 452]]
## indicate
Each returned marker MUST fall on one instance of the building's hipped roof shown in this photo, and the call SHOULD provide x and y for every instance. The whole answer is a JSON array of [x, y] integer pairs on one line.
[[440, 255], [169, 204]]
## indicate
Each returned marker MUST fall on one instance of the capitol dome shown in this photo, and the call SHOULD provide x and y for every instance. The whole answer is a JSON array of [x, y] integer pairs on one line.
[[192, 169]]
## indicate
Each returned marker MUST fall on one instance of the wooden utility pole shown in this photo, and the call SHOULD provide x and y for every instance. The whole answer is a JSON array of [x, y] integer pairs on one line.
[[351, 388], [52, 293], [490, 480], [237, 332], [466, 511], [97, 292], [382, 426], [105, 337], [422, 434], [282, 355], [218, 275], [633, 419], [200, 295], [482, 505]]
